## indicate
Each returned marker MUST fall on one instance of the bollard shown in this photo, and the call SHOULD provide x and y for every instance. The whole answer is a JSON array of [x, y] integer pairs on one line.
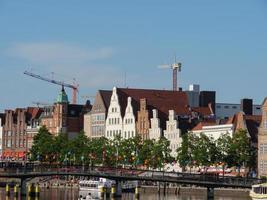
[[16, 191], [113, 191], [7, 189], [102, 192], [137, 194], [37, 190], [30, 190]]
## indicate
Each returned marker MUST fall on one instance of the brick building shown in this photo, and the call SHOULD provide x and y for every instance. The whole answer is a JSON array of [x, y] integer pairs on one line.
[[2, 122], [16, 140], [64, 117]]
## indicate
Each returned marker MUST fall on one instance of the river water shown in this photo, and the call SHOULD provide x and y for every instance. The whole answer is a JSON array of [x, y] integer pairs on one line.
[[72, 194]]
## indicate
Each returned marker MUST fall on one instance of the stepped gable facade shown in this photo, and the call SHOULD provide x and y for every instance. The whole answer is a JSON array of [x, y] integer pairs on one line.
[[16, 138], [142, 102]]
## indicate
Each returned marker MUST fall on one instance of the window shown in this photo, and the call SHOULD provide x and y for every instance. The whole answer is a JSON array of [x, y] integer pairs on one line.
[[226, 107], [265, 124], [218, 106], [234, 107]]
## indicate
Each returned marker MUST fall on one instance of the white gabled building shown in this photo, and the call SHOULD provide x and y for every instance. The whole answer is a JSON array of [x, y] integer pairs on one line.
[[173, 133], [213, 130], [155, 132], [129, 129], [114, 124]]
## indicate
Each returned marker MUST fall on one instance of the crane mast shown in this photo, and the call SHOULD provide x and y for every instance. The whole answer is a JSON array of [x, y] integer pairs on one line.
[[74, 87]]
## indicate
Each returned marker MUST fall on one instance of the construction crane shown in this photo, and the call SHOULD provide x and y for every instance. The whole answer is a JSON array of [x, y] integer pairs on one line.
[[176, 67], [41, 103], [74, 86]]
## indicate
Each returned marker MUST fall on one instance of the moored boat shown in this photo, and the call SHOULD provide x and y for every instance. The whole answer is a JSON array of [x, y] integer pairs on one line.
[[259, 192], [91, 189]]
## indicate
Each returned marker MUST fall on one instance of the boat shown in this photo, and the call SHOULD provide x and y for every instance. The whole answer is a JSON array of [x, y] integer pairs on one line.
[[259, 192], [91, 189]]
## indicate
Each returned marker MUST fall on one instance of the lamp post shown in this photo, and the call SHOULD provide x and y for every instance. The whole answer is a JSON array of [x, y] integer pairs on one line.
[[82, 158]]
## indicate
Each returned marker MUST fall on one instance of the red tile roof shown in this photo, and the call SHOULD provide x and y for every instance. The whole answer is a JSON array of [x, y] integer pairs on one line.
[[204, 111], [162, 100], [106, 96], [200, 125]]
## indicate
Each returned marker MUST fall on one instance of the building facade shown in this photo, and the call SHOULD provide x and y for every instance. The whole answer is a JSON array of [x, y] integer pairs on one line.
[[95, 120], [2, 116], [129, 127], [19, 129], [173, 133], [63, 117], [143, 122], [114, 123], [213, 130], [262, 142], [155, 132]]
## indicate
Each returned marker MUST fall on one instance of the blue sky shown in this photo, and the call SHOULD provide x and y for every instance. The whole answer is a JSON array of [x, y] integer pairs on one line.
[[222, 45]]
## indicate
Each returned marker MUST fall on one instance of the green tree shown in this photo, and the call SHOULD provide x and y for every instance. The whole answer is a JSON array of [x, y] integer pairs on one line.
[[78, 148], [60, 147], [206, 152], [42, 148], [241, 149], [184, 152]]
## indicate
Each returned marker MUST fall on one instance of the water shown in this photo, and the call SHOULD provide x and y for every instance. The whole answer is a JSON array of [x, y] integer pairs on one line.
[[72, 194]]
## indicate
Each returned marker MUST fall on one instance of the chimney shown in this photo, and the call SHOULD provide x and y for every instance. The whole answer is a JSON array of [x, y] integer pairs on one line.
[[247, 106]]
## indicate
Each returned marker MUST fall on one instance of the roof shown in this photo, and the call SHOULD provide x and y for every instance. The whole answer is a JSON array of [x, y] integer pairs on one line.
[[251, 122], [62, 97], [106, 96], [200, 125], [74, 110], [204, 111], [162, 100], [34, 112]]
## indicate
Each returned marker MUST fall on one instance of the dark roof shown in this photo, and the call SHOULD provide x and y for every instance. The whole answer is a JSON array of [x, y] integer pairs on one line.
[[2, 117], [253, 122], [200, 125], [204, 111], [162, 100], [74, 110], [106, 96], [34, 113]]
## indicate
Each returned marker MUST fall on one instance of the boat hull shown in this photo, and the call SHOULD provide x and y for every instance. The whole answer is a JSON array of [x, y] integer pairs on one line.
[[255, 196]]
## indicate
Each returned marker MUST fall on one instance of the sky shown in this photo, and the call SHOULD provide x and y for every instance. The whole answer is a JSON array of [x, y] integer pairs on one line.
[[222, 46]]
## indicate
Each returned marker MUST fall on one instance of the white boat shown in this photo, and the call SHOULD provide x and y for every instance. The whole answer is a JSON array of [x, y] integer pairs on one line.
[[259, 192], [91, 189]]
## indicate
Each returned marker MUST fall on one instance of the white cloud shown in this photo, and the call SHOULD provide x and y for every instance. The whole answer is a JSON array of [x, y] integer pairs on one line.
[[54, 53], [68, 61]]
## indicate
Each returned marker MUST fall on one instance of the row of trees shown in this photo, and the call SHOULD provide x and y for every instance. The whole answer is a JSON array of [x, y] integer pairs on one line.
[[227, 151], [195, 151], [101, 151]]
